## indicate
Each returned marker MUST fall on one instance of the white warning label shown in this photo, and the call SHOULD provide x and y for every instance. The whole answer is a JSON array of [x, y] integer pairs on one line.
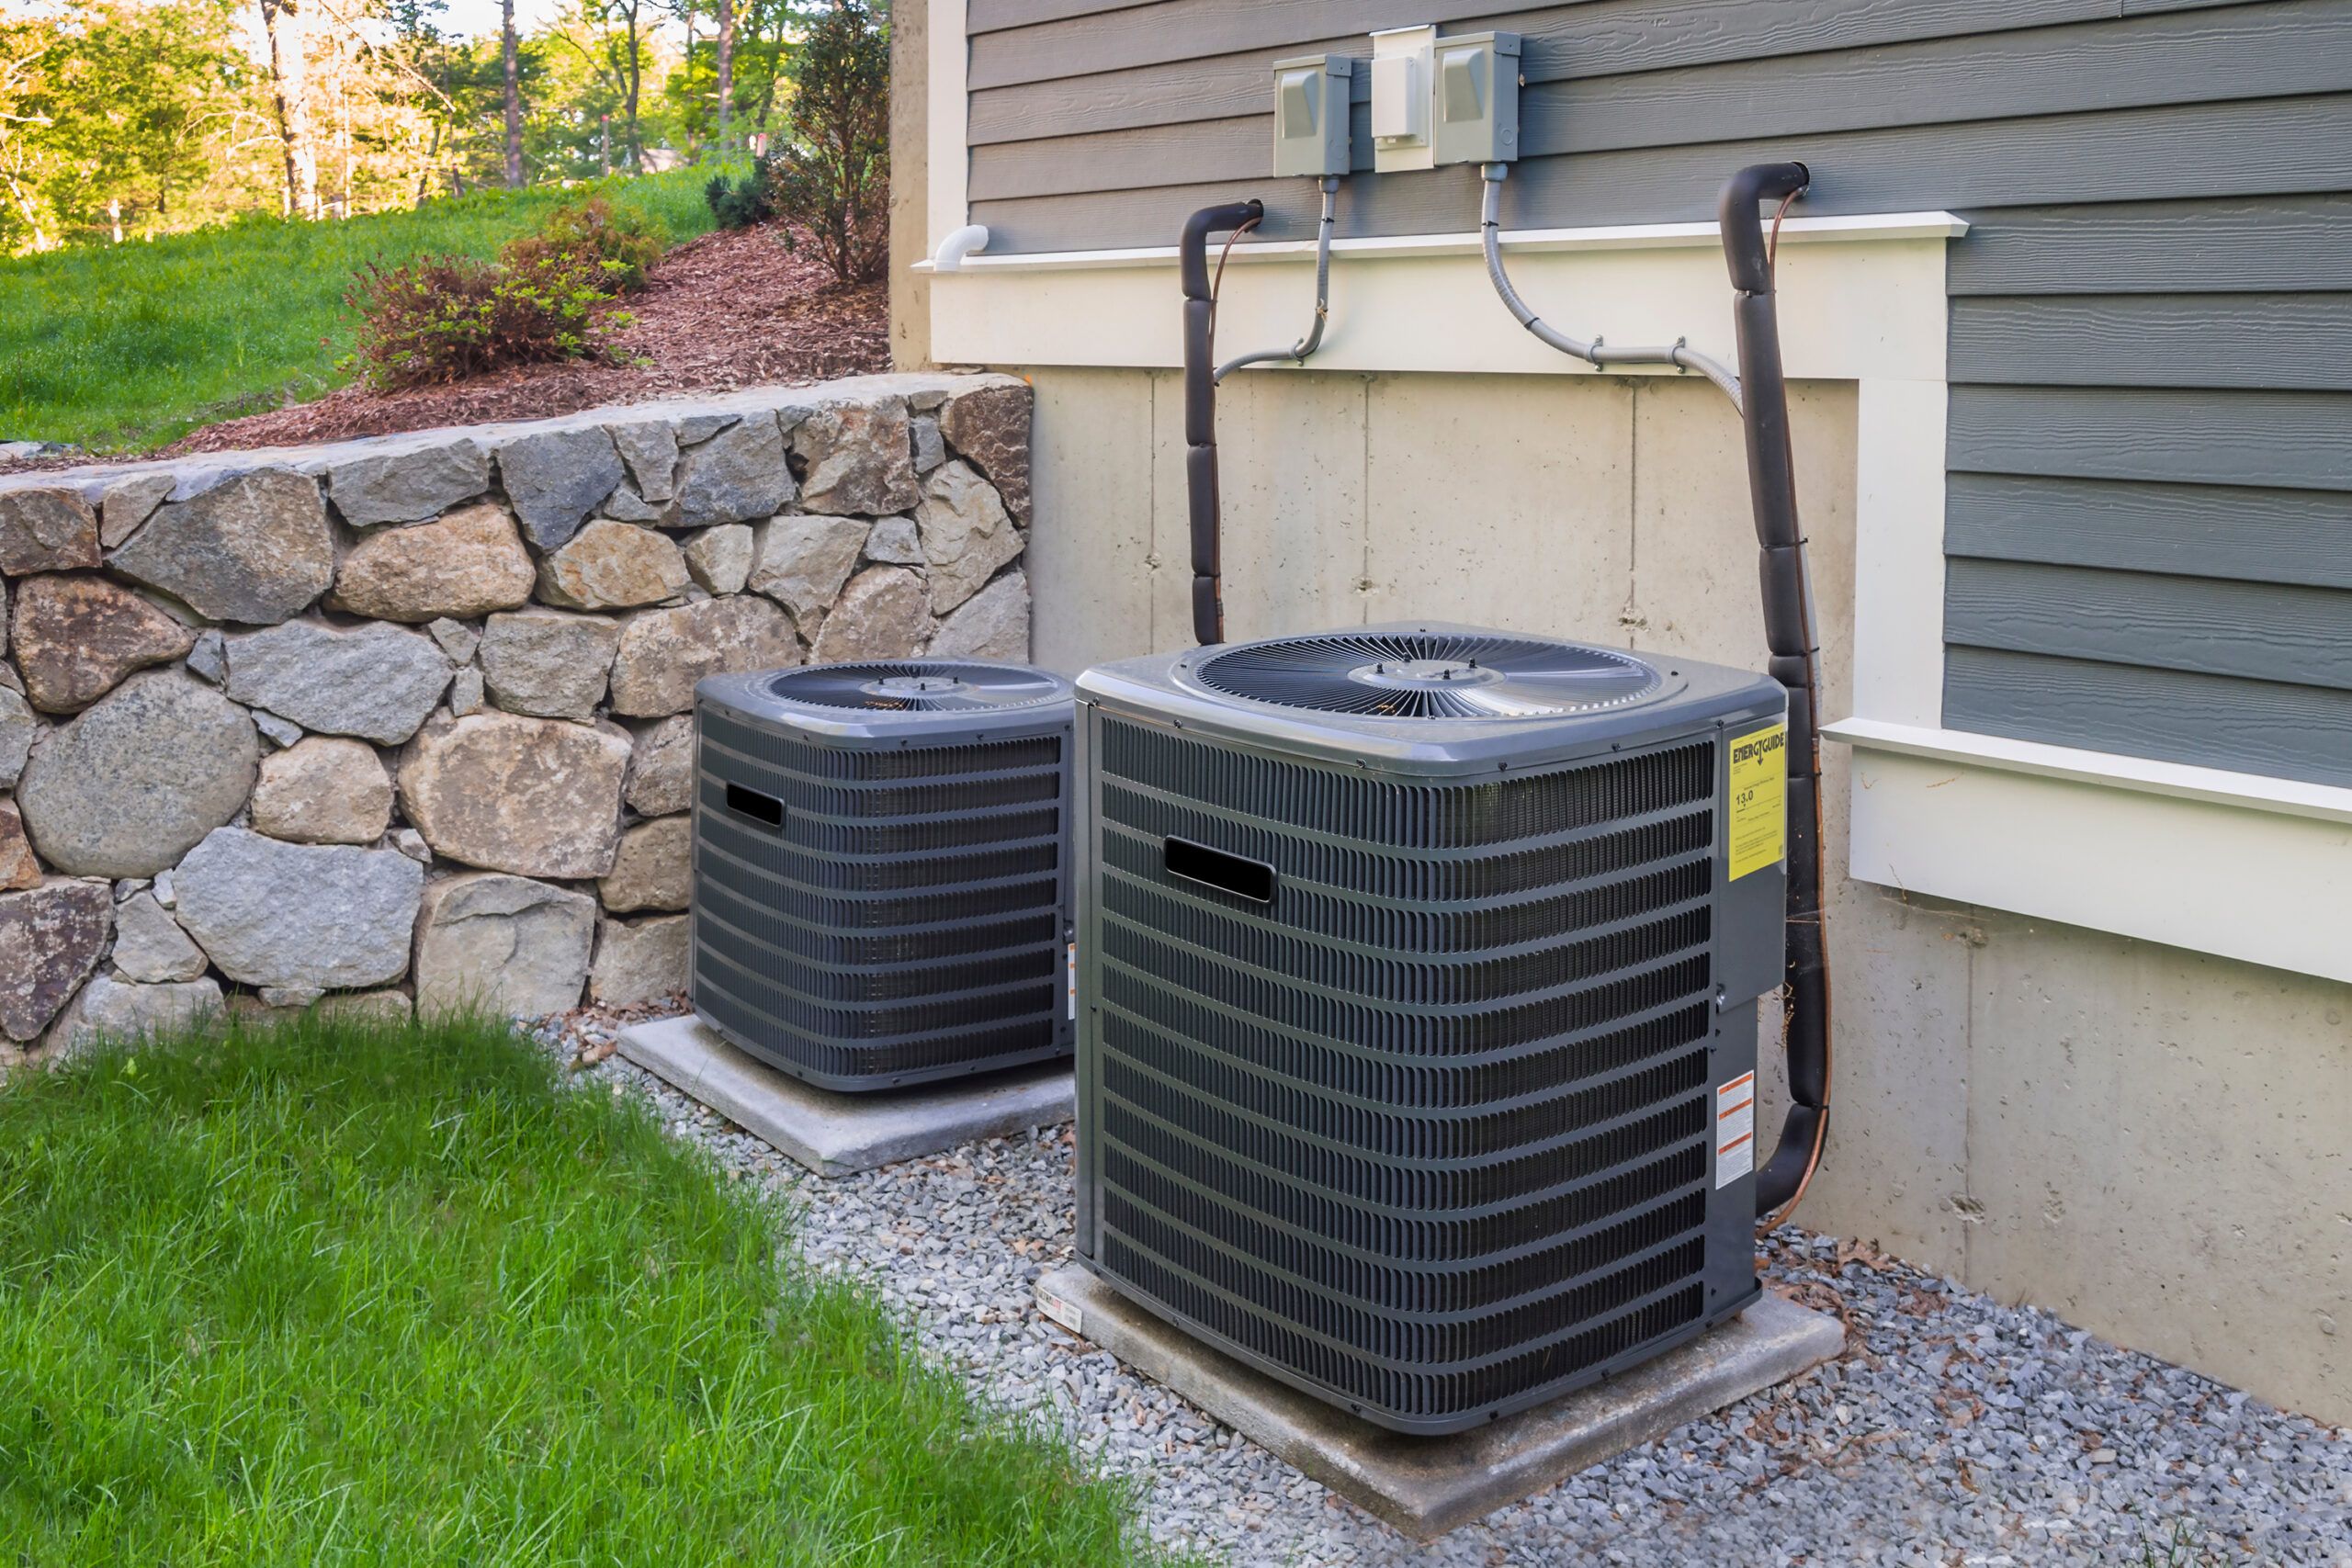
[[1734, 1129], [1070, 972], [1067, 1314]]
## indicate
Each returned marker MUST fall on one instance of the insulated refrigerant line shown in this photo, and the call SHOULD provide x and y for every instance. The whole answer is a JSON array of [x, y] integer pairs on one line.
[[1200, 409]]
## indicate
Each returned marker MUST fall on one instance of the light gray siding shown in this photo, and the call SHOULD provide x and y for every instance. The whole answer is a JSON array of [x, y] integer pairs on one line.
[[2149, 515]]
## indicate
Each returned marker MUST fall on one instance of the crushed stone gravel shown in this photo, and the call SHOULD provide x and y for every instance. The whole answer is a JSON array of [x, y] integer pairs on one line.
[[1954, 1432]]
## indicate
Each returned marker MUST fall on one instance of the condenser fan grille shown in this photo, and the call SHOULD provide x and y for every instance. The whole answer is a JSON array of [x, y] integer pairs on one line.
[[1430, 675], [916, 686]]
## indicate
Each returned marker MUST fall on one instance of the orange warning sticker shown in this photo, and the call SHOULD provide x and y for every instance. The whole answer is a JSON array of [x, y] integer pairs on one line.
[[1734, 1129]]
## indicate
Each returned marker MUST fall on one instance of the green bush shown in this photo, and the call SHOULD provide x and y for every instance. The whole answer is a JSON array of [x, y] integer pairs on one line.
[[833, 179], [446, 318], [739, 204]]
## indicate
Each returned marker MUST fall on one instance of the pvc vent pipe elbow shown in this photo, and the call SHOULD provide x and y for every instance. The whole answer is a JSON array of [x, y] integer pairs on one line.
[[949, 256]]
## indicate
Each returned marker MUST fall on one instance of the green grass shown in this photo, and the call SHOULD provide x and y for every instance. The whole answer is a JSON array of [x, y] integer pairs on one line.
[[338, 1294], [126, 347]]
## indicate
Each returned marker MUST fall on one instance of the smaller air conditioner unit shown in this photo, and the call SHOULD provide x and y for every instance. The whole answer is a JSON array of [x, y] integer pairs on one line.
[[1418, 1039], [881, 887]]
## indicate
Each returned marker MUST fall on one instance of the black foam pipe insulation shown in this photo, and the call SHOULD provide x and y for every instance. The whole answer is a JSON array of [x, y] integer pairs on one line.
[[1795, 662], [1200, 410]]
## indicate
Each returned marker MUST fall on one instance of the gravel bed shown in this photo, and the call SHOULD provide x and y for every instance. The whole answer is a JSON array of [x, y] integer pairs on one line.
[[1955, 1430]]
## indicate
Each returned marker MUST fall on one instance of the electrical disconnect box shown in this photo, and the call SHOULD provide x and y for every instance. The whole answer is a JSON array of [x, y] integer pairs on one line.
[[1401, 62], [1311, 114], [1476, 93]]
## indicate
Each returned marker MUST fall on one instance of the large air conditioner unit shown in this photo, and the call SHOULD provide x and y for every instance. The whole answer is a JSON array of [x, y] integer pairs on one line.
[[1418, 1047], [882, 870]]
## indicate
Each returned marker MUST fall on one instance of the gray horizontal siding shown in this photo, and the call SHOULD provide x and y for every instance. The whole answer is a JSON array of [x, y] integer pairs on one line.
[[2295, 536], [2252, 726], [2149, 505], [2293, 635]]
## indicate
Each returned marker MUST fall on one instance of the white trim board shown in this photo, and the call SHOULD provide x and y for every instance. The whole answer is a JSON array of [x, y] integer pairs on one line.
[[2116, 850]]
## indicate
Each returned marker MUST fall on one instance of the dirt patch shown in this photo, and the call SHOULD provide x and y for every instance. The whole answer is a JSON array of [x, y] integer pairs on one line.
[[728, 309]]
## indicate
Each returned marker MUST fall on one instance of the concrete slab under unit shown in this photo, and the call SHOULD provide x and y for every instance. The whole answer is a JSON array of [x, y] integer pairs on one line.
[[840, 1134], [1426, 1486]]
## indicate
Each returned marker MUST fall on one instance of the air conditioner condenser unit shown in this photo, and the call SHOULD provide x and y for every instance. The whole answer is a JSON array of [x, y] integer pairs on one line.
[[881, 888], [1417, 1039]]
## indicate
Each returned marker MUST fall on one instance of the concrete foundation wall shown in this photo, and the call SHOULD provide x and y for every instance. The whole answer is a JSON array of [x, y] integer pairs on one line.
[[2145, 1141]]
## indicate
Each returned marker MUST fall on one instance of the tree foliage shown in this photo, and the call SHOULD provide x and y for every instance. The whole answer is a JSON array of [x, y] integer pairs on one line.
[[832, 179]]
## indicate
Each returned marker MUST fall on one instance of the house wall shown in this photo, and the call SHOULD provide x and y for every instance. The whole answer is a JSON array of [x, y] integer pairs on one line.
[[2145, 1141], [2150, 516]]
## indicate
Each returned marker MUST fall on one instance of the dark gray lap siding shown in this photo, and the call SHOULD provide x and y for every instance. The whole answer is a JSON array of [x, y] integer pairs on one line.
[[2150, 516]]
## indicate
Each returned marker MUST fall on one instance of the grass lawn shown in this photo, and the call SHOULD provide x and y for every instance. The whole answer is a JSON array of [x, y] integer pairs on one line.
[[340, 1294], [125, 347]]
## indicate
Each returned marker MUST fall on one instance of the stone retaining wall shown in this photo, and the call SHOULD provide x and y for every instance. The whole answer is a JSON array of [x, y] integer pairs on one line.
[[405, 721]]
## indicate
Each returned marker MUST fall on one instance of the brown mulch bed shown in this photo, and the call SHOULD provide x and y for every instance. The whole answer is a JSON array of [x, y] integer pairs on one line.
[[726, 311]]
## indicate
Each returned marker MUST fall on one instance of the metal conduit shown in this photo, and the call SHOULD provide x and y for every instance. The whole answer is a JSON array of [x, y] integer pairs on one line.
[[1296, 352], [1595, 353]]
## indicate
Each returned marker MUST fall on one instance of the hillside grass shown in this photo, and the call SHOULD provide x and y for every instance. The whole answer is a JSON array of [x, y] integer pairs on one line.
[[333, 1294], [127, 348]]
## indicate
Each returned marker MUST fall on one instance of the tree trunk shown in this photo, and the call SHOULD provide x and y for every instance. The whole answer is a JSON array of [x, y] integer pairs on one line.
[[509, 51], [290, 91], [726, 69], [636, 84]]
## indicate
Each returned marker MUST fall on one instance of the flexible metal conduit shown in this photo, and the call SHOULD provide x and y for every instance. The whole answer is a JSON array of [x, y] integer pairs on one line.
[[1296, 352], [1200, 410], [1595, 353]]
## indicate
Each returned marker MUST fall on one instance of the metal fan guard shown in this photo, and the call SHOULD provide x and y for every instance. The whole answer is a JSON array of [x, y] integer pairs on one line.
[[1430, 675], [917, 685]]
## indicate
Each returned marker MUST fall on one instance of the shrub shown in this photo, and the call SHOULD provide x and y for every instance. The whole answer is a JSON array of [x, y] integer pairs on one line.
[[833, 179], [614, 243], [739, 204]]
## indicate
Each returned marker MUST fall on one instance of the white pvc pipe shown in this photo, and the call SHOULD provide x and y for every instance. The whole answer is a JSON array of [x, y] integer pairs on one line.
[[949, 256]]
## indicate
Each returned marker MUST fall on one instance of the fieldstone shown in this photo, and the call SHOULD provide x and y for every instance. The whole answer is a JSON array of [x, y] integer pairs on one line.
[[128, 503], [19, 868], [164, 892], [549, 662], [930, 448], [290, 998], [46, 530], [279, 732], [18, 727], [535, 797], [651, 450], [150, 947], [883, 614], [109, 1009], [50, 937], [408, 481], [323, 790], [737, 475], [991, 428], [856, 459], [639, 961], [696, 428], [652, 868], [664, 652], [505, 944], [965, 534], [466, 691], [271, 913], [992, 624], [661, 769], [556, 478], [613, 565], [803, 561], [895, 542], [254, 548], [410, 842], [625, 505], [209, 655], [128, 785], [372, 679], [455, 638], [468, 564], [390, 1009], [719, 558], [77, 636]]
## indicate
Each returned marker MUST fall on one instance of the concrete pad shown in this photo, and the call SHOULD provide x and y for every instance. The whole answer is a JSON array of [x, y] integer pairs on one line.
[[1426, 1486], [840, 1134]]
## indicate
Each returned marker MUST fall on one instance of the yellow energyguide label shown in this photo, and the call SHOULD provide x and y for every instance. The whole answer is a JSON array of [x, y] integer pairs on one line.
[[1759, 800]]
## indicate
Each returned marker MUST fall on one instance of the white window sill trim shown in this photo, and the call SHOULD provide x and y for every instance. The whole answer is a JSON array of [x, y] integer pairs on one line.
[[1867, 227], [2236, 864]]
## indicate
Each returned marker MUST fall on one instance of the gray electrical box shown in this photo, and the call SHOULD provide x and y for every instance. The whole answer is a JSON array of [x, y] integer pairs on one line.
[[1311, 114], [1476, 93]]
